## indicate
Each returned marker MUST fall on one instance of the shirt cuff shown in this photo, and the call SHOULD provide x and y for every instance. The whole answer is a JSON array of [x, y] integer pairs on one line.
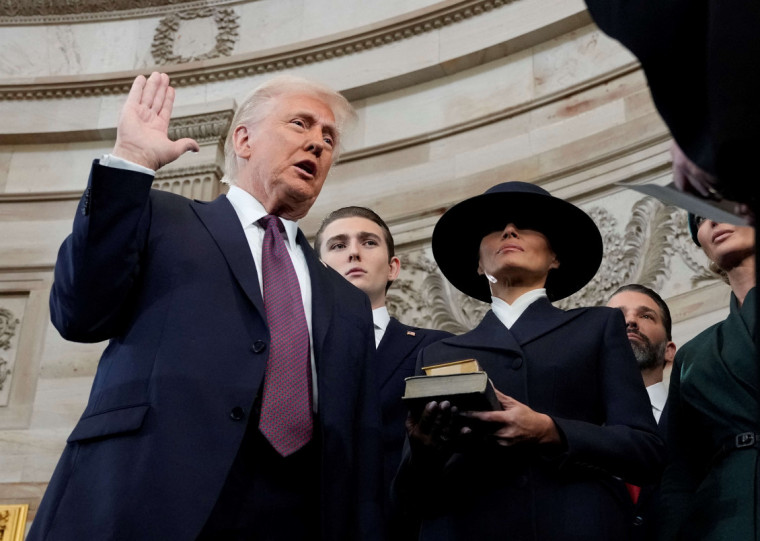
[[109, 160]]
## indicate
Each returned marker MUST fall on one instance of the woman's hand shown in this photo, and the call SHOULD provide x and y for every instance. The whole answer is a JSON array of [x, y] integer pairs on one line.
[[517, 423]]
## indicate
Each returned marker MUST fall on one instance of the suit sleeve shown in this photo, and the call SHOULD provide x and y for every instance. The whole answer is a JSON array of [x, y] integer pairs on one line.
[[627, 444], [98, 265]]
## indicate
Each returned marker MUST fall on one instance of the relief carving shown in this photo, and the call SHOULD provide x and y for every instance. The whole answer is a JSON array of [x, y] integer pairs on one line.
[[8, 325], [200, 182], [55, 11], [204, 128], [163, 47], [653, 237]]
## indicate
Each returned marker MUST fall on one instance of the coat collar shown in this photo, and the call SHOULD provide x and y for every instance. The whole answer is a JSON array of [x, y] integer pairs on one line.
[[538, 319]]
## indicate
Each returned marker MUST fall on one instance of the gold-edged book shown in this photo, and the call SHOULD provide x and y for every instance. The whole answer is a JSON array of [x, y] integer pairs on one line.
[[468, 391], [454, 367]]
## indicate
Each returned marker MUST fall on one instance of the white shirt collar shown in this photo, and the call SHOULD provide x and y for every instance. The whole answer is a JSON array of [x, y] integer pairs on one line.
[[658, 395], [381, 318], [250, 211], [509, 313]]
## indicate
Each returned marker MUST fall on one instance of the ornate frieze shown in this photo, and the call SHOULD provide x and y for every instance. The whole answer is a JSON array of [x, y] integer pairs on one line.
[[17, 12], [204, 128], [164, 41], [245, 67], [654, 236], [199, 182]]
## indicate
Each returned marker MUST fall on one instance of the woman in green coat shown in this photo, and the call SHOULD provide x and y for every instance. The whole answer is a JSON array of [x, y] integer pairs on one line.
[[710, 488]]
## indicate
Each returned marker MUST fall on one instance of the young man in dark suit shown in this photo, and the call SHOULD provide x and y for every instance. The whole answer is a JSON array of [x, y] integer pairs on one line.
[[235, 399], [358, 244]]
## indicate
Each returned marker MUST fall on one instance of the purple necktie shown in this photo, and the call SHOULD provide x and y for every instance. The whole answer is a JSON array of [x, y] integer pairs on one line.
[[286, 418]]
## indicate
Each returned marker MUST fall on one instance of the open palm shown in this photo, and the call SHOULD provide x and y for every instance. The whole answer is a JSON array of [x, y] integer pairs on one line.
[[142, 132]]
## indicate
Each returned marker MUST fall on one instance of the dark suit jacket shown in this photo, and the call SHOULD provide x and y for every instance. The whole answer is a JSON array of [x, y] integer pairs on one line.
[[577, 367], [172, 284], [700, 59], [395, 360]]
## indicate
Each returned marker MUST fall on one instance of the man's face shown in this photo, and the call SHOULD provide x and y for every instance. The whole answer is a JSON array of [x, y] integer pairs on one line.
[[645, 328], [287, 154], [356, 248]]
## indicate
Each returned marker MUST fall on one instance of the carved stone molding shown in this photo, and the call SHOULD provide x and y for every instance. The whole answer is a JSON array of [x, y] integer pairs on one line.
[[163, 47], [21, 12], [8, 329], [252, 65], [653, 236], [199, 182], [204, 128]]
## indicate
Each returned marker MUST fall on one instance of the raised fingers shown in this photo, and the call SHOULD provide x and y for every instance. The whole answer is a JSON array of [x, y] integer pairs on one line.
[[136, 90], [151, 89], [159, 98]]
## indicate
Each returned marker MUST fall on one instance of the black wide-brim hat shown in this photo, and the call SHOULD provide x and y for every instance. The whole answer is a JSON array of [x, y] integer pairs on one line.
[[572, 235]]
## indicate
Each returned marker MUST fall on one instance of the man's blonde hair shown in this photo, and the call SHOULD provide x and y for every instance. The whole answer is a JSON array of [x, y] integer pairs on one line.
[[255, 107]]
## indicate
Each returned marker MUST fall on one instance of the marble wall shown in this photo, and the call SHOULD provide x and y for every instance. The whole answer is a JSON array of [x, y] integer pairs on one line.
[[453, 96]]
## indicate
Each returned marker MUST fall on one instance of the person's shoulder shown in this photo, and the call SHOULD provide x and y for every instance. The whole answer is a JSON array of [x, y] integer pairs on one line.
[[170, 199], [344, 291], [428, 335], [696, 346], [596, 312]]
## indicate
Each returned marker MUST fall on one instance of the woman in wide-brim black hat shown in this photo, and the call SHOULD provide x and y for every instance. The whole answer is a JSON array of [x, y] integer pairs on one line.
[[575, 417]]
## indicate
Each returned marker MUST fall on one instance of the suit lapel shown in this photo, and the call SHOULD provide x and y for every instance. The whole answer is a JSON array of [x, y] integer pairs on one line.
[[395, 346], [222, 223]]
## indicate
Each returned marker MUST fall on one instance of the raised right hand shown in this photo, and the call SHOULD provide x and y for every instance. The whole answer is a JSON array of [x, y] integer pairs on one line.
[[142, 132]]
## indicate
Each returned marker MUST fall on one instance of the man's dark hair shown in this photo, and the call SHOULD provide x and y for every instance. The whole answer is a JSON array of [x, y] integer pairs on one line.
[[355, 212], [667, 322]]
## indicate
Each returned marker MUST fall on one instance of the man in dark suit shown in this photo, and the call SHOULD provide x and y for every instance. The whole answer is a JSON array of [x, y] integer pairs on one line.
[[648, 323], [235, 399], [358, 244]]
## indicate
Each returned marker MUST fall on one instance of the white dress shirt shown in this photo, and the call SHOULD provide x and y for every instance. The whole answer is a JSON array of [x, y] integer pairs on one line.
[[658, 395], [509, 313], [381, 317]]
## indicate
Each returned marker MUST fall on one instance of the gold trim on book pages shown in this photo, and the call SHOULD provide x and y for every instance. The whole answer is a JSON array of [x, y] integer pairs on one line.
[[235, 67], [465, 366]]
